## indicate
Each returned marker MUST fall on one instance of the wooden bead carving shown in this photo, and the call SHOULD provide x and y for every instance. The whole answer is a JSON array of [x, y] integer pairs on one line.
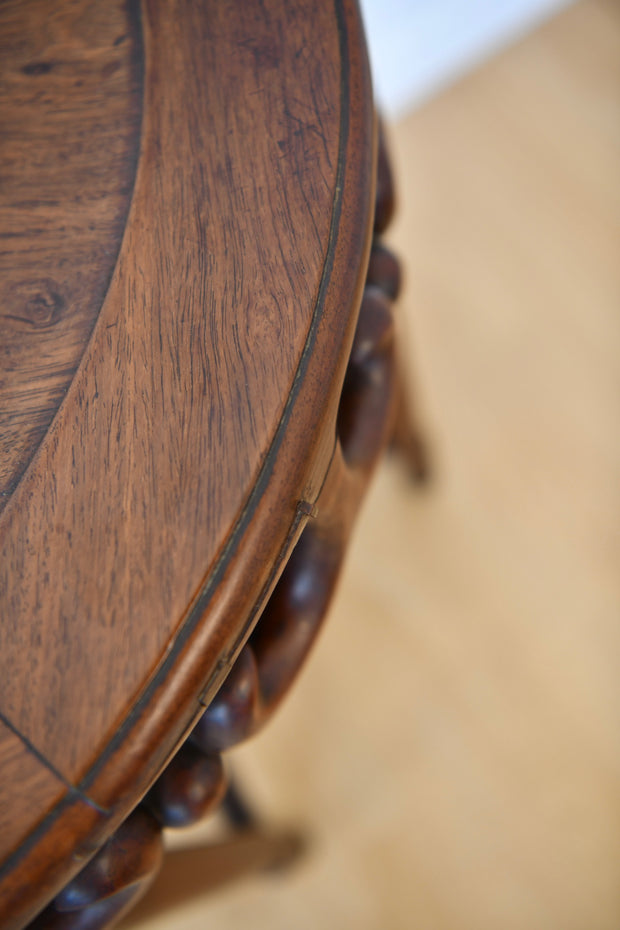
[[191, 786], [98, 916], [384, 199], [368, 389], [118, 875], [232, 714], [292, 617], [384, 270], [132, 854]]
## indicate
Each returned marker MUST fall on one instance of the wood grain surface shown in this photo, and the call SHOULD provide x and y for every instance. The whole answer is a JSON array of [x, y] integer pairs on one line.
[[70, 106], [143, 537]]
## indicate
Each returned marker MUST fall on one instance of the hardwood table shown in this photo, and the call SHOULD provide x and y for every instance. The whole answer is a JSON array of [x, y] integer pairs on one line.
[[187, 204]]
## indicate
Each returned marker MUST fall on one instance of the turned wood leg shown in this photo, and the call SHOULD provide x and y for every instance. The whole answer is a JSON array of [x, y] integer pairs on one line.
[[194, 872], [407, 438], [384, 273]]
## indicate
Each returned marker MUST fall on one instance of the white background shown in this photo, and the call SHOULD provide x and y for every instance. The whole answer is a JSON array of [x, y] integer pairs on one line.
[[419, 46]]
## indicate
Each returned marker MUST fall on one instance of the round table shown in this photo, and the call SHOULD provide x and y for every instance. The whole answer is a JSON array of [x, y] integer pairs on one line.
[[187, 207]]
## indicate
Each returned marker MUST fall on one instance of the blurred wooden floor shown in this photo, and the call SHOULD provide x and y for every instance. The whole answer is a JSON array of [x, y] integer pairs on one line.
[[454, 746]]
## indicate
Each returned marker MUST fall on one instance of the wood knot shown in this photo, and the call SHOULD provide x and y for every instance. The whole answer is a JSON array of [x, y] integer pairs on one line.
[[38, 67], [35, 304]]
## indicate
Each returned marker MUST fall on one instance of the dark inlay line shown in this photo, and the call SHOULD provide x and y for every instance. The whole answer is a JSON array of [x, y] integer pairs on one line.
[[32, 749]]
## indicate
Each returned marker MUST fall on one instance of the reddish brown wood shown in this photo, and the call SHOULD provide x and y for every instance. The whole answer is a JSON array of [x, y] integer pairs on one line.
[[194, 437], [368, 387], [117, 877], [70, 109], [130, 856], [384, 270], [292, 618], [193, 781], [190, 786], [18, 765], [234, 711], [385, 197], [177, 461]]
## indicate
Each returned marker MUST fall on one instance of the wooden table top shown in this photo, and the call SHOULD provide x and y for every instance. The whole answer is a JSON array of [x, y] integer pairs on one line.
[[185, 210]]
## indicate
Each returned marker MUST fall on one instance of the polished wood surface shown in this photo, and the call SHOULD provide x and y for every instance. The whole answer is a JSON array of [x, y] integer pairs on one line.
[[453, 748], [155, 514], [194, 782], [70, 111]]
